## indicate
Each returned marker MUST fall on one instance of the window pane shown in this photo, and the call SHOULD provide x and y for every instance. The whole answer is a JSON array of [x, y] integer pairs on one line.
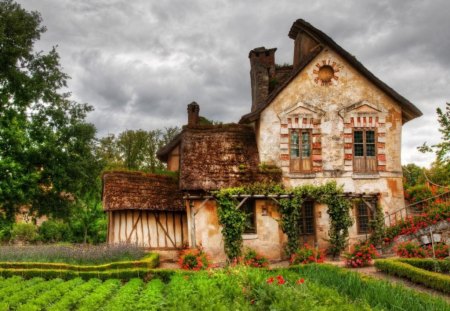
[[359, 152], [370, 137], [370, 150], [358, 137], [295, 150], [306, 147], [249, 209]]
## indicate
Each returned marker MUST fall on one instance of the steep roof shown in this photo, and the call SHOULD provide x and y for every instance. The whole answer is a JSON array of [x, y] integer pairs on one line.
[[217, 156], [409, 111], [136, 190]]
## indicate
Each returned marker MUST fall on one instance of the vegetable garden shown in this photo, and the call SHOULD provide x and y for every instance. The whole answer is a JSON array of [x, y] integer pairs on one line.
[[308, 287]]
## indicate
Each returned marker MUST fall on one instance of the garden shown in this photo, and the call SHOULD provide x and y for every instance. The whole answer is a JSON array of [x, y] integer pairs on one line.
[[306, 287]]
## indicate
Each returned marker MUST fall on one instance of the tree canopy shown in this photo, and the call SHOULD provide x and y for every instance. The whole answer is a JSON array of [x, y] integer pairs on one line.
[[46, 146]]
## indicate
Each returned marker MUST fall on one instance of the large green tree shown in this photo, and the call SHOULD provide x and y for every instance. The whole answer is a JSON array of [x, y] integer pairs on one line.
[[46, 147]]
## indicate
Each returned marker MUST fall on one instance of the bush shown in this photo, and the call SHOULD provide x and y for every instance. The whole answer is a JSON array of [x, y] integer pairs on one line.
[[253, 259], [433, 280], [440, 250], [410, 249], [362, 256], [428, 264], [23, 232], [52, 231], [193, 259], [307, 254]]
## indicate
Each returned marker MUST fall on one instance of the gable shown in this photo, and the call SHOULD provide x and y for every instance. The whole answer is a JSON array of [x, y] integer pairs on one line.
[[302, 30]]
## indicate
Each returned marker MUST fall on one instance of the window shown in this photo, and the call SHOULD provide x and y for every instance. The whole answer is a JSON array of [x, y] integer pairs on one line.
[[364, 151], [307, 218], [249, 209], [364, 215], [300, 150]]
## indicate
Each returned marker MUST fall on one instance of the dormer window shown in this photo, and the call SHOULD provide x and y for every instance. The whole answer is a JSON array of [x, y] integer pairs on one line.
[[300, 150]]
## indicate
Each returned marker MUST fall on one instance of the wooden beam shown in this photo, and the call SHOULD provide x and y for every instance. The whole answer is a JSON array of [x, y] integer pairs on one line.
[[165, 232], [134, 226], [201, 205], [242, 203]]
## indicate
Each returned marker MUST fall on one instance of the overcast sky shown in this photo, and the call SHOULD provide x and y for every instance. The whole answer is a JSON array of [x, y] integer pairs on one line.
[[140, 62]]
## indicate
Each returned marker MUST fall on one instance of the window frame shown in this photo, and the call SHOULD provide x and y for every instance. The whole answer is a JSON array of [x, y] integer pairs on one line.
[[300, 158], [252, 203], [366, 158], [304, 219], [369, 217]]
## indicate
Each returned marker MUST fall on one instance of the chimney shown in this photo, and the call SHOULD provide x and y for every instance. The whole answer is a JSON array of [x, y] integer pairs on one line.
[[193, 110], [304, 42], [262, 69]]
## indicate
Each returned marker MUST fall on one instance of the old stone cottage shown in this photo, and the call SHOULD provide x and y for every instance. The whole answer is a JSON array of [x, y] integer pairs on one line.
[[324, 118]]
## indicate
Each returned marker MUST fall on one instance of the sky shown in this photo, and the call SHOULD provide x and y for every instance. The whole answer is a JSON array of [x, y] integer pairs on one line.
[[140, 63]]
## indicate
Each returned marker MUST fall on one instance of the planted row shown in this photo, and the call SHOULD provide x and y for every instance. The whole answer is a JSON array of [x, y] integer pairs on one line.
[[430, 279], [150, 261]]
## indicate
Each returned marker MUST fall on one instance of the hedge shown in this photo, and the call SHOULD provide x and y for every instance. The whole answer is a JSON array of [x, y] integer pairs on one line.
[[441, 265], [430, 279], [149, 262], [123, 274]]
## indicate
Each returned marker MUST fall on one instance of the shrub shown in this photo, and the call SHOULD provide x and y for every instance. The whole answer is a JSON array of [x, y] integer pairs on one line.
[[193, 259], [361, 256], [52, 231], [253, 259], [433, 280], [440, 250], [307, 254], [429, 264], [23, 232], [410, 249]]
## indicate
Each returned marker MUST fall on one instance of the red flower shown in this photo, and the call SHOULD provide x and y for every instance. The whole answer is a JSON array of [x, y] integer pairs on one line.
[[300, 281], [281, 280], [270, 280]]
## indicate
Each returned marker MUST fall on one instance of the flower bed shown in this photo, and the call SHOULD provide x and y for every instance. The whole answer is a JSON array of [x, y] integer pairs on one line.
[[307, 254], [362, 256]]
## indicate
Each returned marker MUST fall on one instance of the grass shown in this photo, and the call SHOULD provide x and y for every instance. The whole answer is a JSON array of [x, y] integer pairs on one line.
[[311, 287]]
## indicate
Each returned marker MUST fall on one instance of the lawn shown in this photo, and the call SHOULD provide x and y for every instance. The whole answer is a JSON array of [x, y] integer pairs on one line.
[[313, 287]]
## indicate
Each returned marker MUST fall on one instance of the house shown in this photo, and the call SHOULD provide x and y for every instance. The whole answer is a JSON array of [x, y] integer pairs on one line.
[[324, 118]]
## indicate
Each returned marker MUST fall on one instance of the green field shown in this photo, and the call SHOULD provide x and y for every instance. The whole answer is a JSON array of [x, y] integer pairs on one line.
[[312, 287]]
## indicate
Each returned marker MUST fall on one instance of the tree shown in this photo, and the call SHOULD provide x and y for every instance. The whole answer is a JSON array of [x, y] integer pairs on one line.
[[46, 147], [440, 169]]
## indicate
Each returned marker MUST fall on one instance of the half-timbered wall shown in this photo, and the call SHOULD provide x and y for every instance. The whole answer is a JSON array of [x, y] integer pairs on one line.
[[153, 229]]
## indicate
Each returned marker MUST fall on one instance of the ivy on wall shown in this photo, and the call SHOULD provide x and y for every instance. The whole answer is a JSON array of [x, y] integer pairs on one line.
[[232, 219]]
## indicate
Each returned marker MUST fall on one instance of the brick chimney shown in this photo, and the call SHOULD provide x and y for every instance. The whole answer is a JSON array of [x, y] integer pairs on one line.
[[262, 69], [193, 110]]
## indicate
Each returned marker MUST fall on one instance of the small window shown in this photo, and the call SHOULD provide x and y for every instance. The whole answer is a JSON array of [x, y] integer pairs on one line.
[[249, 208], [364, 151], [307, 218], [364, 215], [300, 150]]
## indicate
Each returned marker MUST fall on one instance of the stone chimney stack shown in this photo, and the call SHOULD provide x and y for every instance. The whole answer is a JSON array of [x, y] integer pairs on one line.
[[193, 110], [262, 69]]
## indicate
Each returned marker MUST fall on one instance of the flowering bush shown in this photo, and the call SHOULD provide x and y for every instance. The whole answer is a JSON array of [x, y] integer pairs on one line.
[[410, 249], [440, 250], [414, 250], [412, 224], [193, 259], [307, 254], [253, 259], [361, 256]]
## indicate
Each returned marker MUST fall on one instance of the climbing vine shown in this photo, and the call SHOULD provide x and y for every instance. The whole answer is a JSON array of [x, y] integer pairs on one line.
[[377, 227], [232, 219]]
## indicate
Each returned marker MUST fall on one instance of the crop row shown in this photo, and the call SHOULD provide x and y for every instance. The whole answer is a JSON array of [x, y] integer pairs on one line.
[[300, 288]]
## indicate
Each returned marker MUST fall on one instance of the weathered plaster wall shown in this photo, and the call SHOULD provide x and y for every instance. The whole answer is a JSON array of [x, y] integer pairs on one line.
[[269, 239], [333, 104]]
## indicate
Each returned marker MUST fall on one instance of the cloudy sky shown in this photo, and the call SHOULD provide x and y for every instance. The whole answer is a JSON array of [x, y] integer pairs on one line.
[[140, 62]]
